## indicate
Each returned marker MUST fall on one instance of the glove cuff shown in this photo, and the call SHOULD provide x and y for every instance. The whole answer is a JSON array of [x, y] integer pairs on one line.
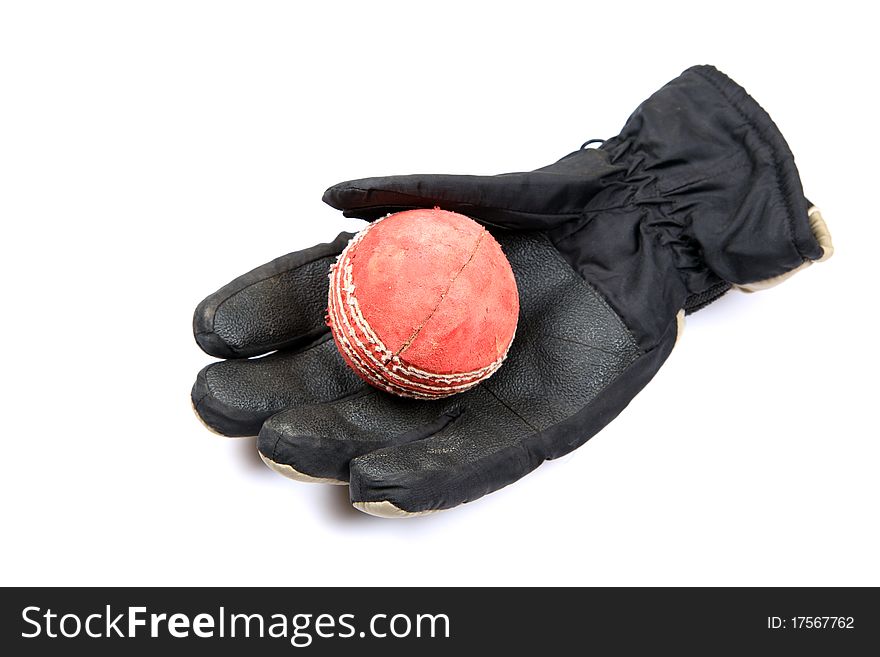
[[724, 181], [823, 237], [768, 147]]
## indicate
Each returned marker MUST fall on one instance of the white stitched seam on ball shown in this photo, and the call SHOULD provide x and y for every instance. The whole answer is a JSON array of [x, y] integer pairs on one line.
[[361, 322], [350, 301], [358, 362], [342, 321]]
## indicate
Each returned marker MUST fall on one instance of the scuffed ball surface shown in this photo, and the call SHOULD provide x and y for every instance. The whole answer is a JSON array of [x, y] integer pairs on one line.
[[423, 303]]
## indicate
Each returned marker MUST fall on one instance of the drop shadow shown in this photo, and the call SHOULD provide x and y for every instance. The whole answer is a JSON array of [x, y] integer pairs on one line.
[[248, 454], [333, 502], [336, 505]]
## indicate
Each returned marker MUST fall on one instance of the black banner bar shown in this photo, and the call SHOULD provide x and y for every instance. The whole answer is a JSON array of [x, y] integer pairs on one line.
[[422, 621]]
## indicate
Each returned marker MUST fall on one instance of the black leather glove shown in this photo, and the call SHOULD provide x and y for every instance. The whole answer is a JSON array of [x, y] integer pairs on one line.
[[609, 246]]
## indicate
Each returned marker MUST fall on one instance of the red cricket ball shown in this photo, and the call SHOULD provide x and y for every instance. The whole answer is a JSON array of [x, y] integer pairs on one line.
[[423, 303]]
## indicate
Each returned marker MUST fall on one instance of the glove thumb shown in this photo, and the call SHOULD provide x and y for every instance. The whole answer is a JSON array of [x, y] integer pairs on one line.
[[534, 200]]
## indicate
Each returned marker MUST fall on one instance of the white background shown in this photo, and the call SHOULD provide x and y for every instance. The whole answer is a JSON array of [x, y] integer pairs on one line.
[[152, 151]]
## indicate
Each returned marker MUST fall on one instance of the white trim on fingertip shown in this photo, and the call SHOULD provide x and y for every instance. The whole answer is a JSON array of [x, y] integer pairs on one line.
[[209, 427], [386, 509], [291, 473]]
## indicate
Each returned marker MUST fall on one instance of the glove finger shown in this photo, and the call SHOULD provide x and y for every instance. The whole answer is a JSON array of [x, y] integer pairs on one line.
[[535, 200], [506, 427], [478, 452], [235, 397], [280, 304], [316, 442]]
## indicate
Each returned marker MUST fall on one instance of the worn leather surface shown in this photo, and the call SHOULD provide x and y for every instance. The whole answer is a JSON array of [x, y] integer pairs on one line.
[[697, 192], [235, 397], [274, 306]]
